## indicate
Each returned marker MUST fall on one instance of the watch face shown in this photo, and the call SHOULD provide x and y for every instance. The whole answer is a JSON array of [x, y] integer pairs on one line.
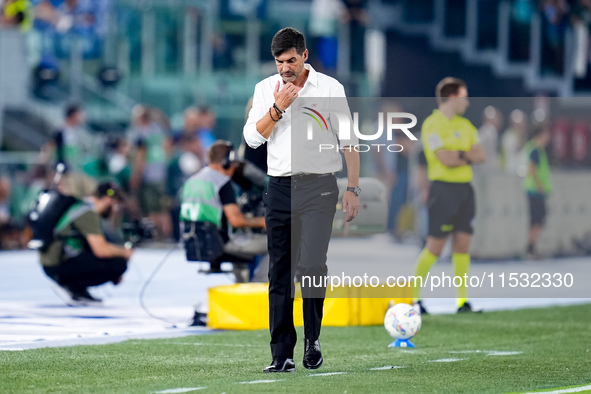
[[354, 190]]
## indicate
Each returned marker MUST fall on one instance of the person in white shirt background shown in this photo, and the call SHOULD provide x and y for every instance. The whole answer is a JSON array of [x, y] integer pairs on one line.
[[489, 139], [513, 140]]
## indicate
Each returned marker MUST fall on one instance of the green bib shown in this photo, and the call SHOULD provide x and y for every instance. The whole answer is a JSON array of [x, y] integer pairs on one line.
[[200, 201], [543, 170]]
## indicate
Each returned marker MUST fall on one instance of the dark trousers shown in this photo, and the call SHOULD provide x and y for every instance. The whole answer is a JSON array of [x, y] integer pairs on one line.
[[299, 216], [86, 270]]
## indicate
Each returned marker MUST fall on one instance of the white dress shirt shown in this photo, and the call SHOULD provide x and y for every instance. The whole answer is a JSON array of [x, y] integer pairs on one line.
[[279, 159]]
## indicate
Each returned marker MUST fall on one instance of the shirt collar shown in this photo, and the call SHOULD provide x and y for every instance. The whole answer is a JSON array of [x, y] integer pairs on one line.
[[312, 76], [441, 115]]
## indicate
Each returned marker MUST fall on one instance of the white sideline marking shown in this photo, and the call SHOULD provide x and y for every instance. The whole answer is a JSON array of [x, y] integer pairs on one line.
[[213, 344], [180, 390], [328, 374], [571, 390], [466, 351], [447, 360], [488, 352], [261, 381], [387, 367], [498, 353]]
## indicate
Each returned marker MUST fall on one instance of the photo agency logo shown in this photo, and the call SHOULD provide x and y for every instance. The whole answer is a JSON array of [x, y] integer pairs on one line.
[[388, 122], [310, 135]]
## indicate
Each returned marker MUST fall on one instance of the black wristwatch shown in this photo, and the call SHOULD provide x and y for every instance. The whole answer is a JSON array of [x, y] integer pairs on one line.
[[356, 190], [462, 156]]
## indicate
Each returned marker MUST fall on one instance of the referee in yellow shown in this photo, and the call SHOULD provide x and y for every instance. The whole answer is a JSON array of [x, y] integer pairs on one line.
[[451, 144]]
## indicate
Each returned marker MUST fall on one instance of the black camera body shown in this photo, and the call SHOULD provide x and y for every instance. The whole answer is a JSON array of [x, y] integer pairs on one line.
[[202, 241], [137, 231]]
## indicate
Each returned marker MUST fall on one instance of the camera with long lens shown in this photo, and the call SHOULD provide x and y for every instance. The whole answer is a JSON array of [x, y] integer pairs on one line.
[[252, 182], [138, 231]]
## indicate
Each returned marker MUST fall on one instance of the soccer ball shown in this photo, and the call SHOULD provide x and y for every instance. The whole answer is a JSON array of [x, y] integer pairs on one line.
[[402, 321]]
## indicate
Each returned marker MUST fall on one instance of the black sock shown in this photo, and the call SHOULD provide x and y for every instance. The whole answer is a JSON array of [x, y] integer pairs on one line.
[[530, 248]]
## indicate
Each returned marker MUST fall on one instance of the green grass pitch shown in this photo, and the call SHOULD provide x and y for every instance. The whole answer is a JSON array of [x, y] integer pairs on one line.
[[544, 349]]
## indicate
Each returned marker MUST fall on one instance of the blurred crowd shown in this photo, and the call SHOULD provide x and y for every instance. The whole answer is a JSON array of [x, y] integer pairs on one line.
[[51, 23], [558, 15], [150, 162]]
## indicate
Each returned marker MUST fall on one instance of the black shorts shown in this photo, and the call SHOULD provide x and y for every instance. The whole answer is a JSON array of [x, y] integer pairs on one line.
[[537, 210], [452, 208]]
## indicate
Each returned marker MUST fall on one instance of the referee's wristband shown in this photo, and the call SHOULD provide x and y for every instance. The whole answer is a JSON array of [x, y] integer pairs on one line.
[[462, 156]]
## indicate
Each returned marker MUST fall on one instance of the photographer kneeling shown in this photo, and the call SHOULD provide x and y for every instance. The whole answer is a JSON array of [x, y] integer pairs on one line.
[[79, 256], [208, 204]]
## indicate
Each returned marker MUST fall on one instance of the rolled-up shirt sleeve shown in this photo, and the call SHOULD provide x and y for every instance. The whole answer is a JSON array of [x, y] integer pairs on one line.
[[253, 138], [339, 104]]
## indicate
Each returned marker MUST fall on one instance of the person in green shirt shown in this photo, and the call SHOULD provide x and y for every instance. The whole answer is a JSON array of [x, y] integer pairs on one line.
[[80, 256], [537, 183], [451, 144]]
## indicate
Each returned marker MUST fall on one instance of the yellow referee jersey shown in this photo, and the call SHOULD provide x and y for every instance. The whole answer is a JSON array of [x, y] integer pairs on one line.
[[440, 132]]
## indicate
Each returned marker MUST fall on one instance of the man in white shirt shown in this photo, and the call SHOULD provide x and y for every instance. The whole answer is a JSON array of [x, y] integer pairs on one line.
[[300, 200]]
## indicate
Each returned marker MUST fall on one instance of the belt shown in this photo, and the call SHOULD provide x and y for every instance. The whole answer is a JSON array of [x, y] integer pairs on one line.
[[303, 177]]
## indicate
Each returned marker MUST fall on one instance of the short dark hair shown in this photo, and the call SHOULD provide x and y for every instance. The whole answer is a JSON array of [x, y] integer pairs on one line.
[[109, 189], [187, 138], [448, 86], [71, 110], [286, 39], [204, 109], [217, 151]]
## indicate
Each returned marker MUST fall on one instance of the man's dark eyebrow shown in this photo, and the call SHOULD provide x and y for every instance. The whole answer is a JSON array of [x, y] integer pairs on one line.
[[288, 60]]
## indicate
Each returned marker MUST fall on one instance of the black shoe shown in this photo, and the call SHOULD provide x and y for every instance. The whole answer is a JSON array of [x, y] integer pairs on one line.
[[83, 297], [74, 296], [281, 365], [312, 354], [199, 320], [421, 308], [467, 308]]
